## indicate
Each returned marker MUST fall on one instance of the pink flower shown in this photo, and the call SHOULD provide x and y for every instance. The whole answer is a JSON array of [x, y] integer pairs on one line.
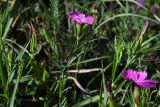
[[81, 18], [139, 78], [155, 8], [140, 4]]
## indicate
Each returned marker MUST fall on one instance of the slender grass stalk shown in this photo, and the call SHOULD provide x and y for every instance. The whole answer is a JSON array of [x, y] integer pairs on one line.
[[123, 15], [15, 90]]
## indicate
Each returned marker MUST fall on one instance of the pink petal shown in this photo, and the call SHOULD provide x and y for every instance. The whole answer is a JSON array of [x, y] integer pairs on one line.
[[151, 81], [127, 74], [141, 75], [130, 74], [89, 20], [73, 15], [78, 21], [146, 85], [134, 75], [77, 17], [81, 15]]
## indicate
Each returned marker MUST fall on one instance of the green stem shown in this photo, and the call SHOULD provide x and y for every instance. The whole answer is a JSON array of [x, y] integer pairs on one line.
[[78, 31], [78, 34]]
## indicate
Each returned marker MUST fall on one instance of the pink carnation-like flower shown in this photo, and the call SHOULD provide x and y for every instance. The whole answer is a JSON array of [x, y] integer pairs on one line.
[[139, 5], [139, 78], [81, 18], [155, 8]]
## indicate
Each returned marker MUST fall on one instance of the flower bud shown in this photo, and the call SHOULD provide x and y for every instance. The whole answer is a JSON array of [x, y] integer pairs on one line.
[[155, 9], [136, 94], [111, 100]]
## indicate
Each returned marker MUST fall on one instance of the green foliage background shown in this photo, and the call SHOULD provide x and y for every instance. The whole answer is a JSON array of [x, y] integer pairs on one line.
[[43, 64]]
